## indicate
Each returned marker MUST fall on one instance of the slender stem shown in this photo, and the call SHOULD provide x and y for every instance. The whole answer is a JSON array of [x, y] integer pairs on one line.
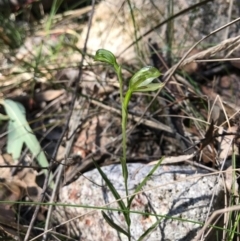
[[124, 124], [124, 104], [124, 141]]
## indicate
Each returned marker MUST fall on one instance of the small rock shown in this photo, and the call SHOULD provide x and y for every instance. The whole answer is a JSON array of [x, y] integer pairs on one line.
[[167, 194]]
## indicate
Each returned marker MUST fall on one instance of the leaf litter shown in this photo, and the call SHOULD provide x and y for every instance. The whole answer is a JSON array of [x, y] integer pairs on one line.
[[98, 133]]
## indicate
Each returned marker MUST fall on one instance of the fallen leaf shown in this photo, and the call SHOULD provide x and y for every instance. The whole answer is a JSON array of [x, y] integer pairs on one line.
[[14, 187]]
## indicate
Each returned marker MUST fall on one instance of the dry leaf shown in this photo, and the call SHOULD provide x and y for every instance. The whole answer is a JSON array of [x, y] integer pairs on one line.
[[14, 187]]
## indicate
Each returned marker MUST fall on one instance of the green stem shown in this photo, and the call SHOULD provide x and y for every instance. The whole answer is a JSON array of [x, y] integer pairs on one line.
[[124, 124], [124, 141], [124, 104]]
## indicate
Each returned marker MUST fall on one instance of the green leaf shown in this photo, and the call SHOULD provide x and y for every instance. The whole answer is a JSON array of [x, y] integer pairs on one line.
[[143, 182], [19, 132], [105, 56], [149, 87], [114, 225], [114, 192], [143, 77]]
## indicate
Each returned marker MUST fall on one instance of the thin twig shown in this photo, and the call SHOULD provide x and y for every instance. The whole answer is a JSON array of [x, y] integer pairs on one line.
[[219, 47], [65, 128], [215, 213], [75, 121], [228, 44], [216, 60], [73, 102], [220, 175]]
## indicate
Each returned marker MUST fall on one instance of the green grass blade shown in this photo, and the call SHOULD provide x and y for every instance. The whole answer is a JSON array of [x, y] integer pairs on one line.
[[55, 6], [140, 185], [114, 192], [149, 230], [114, 225], [135, 27]]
